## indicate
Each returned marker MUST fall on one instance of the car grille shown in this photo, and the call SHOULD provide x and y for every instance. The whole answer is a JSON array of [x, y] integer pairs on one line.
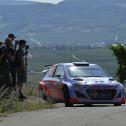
[[101, 94]]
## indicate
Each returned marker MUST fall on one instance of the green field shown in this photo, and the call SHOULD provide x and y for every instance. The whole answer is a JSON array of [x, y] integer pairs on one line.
[[41, 56]]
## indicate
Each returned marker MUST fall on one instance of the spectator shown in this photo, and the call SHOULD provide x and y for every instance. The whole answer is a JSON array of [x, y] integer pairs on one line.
[[21, 68], [9, 41], [4, 66], [10, 51], [1, 50]]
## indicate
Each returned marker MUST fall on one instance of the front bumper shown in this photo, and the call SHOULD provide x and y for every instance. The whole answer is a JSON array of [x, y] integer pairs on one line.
[[98, 95], [84, 101]]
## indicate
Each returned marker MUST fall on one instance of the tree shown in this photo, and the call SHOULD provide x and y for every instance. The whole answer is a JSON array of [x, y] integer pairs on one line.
[[119, 51]]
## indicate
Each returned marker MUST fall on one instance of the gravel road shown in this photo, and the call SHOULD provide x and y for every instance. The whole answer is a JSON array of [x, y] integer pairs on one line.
[[97, 115]]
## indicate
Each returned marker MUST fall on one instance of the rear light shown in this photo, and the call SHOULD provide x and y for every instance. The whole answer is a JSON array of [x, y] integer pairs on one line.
[[123, 100], [41, 85], [41, 82]]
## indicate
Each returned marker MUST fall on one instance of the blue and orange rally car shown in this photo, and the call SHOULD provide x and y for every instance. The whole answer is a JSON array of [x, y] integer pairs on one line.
[[80, 83]]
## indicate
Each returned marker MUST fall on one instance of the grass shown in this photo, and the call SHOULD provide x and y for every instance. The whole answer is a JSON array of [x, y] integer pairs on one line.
[[25, 106], [32, 103]]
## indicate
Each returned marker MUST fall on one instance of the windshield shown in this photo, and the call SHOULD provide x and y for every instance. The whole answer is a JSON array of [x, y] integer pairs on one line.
[[75, 71]]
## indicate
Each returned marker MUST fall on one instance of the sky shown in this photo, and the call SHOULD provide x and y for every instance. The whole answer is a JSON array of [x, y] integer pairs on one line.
[[48, 1]]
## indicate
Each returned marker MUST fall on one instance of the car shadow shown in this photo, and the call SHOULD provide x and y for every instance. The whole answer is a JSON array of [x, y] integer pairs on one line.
[[94, 105]]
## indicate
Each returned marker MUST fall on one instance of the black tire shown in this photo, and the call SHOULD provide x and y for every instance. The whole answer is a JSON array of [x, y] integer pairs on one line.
[[42, 95], [117, 104], [46, 98], [88, 105], [50, 100], [67, 97], [67, 104]]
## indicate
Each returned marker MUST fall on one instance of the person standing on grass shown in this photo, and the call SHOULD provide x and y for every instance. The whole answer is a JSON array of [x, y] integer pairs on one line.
[[10, 52], [21, 68], [5, 77], [1, 51]]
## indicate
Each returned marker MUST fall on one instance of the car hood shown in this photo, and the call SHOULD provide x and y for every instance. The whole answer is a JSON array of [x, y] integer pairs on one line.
[[95, 81]]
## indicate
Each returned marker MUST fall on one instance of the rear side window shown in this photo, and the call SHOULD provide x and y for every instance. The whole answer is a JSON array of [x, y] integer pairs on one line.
[[59, 71], [50, 72]]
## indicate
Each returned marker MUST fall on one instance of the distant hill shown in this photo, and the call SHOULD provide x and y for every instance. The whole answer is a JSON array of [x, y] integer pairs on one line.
[[82, 21]]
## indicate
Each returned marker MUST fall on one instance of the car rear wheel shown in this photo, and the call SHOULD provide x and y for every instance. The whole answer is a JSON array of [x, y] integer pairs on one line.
[[67, 97], [68, 104], [117, 104], [42, 95], [88, 104]]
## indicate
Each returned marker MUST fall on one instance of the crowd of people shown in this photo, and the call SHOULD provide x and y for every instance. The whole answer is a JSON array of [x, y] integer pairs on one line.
[[13, 64]]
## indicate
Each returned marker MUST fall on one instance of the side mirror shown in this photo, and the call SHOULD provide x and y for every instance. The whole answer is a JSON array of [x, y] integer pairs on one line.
[[59, 77]]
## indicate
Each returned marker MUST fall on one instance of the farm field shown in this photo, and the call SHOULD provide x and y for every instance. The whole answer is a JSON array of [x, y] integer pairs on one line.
[[100, 56], [46, 56]]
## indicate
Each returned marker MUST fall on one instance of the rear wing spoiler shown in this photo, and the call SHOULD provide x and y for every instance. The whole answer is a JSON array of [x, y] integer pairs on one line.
[[46, 68]]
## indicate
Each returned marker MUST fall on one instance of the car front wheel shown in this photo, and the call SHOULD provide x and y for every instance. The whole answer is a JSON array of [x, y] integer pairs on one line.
[[117, 104], [67, 97]]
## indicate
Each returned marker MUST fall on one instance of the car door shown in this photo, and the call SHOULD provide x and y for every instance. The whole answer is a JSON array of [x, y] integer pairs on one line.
[[49, 82], [58, 82]]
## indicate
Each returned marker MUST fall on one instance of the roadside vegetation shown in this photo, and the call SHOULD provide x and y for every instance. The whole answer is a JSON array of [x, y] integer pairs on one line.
[[47, 56], [119, 51], [11, 103], [14, 106]]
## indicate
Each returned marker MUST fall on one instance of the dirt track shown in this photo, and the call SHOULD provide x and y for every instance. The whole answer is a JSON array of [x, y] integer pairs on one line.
[[97, 115]]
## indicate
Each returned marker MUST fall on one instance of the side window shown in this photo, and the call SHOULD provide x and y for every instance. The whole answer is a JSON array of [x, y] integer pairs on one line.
[[50, 72], [59, 71]]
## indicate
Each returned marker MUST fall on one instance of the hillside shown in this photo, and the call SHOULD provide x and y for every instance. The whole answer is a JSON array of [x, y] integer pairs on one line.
[[82, 21]]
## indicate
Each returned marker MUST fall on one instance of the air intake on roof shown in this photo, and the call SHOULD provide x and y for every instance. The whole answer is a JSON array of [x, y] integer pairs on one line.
[[81, 63]]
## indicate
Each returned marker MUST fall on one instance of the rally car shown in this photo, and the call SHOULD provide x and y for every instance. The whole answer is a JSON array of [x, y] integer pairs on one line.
[[80, 83]]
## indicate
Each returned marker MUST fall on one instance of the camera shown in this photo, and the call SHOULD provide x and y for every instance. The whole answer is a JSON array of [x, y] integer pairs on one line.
[[27, 47], [16, 42]]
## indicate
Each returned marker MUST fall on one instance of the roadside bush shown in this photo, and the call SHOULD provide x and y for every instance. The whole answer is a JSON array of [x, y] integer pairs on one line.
[[11, 104], [119, 51]]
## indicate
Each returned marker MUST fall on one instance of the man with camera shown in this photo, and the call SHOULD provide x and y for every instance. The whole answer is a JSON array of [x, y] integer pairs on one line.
[[21, 67]]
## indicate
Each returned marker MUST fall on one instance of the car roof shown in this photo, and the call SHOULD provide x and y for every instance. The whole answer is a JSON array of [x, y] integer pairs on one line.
[[82, 64]]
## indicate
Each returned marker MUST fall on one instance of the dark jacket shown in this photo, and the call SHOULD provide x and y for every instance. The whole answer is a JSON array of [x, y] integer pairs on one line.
[[10, 51], [19, 60]]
